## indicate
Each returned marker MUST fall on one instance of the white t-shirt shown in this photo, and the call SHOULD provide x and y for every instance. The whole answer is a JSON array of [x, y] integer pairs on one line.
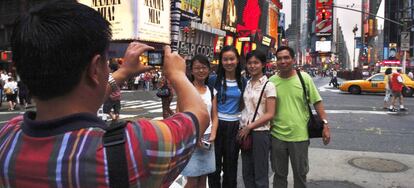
[[208, 101], [12, 85]]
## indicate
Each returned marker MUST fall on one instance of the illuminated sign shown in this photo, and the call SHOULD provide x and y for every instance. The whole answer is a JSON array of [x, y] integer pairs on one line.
[[190, 7], [147, 20], [230, 20], [212, 13], [323, 46], [323, 17]]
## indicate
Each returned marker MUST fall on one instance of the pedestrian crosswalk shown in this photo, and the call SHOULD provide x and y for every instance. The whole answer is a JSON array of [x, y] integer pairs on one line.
[[151, 105]]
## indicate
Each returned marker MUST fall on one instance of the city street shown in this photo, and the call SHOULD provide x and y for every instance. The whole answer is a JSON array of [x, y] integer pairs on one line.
[[360, 128]]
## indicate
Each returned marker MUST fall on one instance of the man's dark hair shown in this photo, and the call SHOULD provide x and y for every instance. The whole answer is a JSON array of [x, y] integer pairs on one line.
[[54, 43], [388, 71], [289, 49]]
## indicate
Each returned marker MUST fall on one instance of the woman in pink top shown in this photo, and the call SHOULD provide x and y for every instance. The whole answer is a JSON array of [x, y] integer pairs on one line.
[[255, 161]]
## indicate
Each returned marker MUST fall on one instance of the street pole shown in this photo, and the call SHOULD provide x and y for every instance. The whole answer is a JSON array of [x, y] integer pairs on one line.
[[404, 61], [353, 65]]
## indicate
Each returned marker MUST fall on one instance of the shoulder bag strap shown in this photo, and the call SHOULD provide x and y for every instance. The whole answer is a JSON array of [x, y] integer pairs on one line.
[[114, 143], [258, 103], [306, 94]]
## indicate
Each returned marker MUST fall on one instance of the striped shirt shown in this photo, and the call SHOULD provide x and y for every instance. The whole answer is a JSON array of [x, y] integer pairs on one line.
[[68, 151]]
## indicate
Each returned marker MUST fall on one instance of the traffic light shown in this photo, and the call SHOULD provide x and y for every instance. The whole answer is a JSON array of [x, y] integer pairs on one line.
[[323, 14], [6, 56]]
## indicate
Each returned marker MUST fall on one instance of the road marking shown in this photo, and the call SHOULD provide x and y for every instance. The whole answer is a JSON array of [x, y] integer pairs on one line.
[[355, 112], [328, 88], [159, 110]]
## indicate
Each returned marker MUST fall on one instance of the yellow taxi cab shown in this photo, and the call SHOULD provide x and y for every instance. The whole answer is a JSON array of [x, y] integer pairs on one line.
[[375, 84]]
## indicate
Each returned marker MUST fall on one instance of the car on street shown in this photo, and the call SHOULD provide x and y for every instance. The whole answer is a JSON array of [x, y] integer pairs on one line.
[[375, 84]]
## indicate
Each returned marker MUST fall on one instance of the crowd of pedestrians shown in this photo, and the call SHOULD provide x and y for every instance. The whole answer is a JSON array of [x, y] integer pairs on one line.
[[13, 92], [65, 144]]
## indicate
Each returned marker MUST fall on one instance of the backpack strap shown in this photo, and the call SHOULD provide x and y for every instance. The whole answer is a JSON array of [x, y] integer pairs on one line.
[[114, 143]]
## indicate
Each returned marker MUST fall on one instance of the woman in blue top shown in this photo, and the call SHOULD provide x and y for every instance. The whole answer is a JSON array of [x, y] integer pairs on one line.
[[230, 86]]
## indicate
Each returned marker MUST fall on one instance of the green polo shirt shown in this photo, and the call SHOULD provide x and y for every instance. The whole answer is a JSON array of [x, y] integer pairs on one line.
[[290, 121]]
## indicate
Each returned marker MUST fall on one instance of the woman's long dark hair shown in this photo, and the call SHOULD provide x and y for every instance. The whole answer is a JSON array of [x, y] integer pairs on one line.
[[203, 60], [221, 76]]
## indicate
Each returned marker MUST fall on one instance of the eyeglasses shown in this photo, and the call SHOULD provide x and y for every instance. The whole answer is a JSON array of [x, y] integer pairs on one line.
[[204, 68]]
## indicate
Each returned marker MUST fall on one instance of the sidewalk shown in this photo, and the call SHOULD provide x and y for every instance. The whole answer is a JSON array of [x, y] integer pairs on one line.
[[332, 169]]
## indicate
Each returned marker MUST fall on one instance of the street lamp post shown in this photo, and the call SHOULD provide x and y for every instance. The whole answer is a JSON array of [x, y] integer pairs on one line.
[[354, 31]]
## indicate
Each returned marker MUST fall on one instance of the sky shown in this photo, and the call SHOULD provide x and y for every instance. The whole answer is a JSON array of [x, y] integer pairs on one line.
[[347, 20]]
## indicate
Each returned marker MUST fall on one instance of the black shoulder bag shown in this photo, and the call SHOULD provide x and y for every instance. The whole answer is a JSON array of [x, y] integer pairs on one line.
[[114, 143], [315, 123]]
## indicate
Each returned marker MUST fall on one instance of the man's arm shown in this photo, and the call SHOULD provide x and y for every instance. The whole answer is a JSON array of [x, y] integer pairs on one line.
[[326, 133]]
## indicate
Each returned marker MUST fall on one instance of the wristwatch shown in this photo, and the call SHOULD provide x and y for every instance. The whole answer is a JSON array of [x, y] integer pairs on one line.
[[112, 83], [325, 121]]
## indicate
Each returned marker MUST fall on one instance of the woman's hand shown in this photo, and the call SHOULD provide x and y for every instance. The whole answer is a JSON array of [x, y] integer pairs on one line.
[[244, 132]]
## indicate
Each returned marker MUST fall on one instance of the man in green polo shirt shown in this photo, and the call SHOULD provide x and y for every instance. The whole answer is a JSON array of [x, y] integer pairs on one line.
[[289, 126]]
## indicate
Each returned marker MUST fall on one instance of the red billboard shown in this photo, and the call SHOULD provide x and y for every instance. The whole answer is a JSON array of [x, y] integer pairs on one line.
[[324, 17]]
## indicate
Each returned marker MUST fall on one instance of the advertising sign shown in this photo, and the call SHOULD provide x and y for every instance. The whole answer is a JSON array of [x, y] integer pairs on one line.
[[153, 21], [230, 20], [193, 49], [191, 7], [323, 17], [121, 15], [323, 46], [252, 15], [405, 41], [149, 22], [273, 23], [212, 13]]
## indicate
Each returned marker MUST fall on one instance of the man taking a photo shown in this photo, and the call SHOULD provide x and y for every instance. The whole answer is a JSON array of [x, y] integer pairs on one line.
[[60, 50]]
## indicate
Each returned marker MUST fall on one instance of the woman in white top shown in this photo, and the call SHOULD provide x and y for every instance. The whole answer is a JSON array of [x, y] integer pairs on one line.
[[10, 89], [203, 161], [255, 161]]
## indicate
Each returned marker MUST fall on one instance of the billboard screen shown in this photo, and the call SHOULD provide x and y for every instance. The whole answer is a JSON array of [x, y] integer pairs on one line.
[[191, 7], [252, 15], [229, 20], [323, 46], [121, 15], [273, 24], [212, 13], [153, 21], [324, 17]]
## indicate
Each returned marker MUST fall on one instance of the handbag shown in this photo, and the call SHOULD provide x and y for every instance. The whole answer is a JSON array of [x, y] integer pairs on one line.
[[315, 123], [163, 91], [247, 143]]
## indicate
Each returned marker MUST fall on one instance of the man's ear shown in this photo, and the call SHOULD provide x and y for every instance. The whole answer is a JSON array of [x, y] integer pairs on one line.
[[94, 69]]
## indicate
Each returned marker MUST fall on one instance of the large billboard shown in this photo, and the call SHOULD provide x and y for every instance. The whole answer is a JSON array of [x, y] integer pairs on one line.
[[136, 19], [191, 7], [230, 16], [252, 15], [153, 21], [324, 17], [212, 13], [273, 24], [121, 15]]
